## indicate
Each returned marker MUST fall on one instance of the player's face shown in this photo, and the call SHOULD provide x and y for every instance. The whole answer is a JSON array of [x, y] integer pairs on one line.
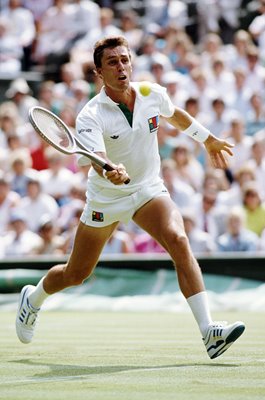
[[116, 68]]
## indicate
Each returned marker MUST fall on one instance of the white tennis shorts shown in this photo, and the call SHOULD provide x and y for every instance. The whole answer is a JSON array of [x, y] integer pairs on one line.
[[106, 206]]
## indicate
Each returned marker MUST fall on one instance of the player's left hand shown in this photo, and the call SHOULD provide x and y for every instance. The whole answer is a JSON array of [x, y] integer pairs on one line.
[[216, 148]]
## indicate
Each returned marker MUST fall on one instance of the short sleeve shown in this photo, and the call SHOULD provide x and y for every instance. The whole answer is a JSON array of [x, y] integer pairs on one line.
[[167, 108], [89, 131]]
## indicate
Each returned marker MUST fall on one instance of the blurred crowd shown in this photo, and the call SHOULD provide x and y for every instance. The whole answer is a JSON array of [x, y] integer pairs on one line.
[[209, 54]]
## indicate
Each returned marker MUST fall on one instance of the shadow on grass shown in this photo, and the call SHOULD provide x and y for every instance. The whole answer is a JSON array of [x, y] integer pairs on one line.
[[72, 372]]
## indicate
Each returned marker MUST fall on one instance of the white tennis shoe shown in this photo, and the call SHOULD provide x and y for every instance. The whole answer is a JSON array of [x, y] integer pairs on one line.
[[26, 316], [220, 337]]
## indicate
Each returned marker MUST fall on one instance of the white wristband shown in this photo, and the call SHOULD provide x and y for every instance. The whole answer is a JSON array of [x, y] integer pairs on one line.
[[104, 173], [197, 132]]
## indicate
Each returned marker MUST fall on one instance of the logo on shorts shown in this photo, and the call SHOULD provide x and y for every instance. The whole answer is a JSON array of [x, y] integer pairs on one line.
[[97, 216], [153, 123]]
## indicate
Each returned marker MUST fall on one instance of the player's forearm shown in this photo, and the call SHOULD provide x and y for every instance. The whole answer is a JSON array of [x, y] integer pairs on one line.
[[180, 119], [188, 125]]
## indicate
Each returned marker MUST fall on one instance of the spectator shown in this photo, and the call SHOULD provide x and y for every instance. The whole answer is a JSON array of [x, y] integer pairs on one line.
[[8, 201], [255, 70], [255, 117], [73, 203], [215, 179], [233, 195], [175, 84], [20, 171], [158, 67], [257, 162], [210, 215], [236, 236], [237, 51], [38, 8], [37, 204], [201, 90], [9, 121], [11, 52], [221, 78], [81, 92], [211, 47], [179, 53], [254, 208], [237, 135], [180, 192], [20, 93], [53, 41], [85, 17], [219, 120], [144, 243], [161, 14], [47, 97], [262, 241], [147, 53], [22, 28], [69, 73], [19, 240], [84, 46], [52, 243], [257, 29], [56, 180], [188, 168], [200, 241], [119, 243], [238, 98], [69, 234], [131, 28]]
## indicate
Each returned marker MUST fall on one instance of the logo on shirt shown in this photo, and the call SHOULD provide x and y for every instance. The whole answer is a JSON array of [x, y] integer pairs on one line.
[[88, 130], [115, 137], [153, 123], [97, 216]]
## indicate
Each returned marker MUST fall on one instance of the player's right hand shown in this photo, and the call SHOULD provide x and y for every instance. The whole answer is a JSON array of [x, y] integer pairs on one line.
[[118, 176]]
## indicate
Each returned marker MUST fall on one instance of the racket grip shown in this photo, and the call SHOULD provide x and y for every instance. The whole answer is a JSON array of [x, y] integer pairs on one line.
[[108, 167]]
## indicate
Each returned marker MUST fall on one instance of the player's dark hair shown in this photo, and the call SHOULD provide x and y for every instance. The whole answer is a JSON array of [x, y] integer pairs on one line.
[[108, 43]]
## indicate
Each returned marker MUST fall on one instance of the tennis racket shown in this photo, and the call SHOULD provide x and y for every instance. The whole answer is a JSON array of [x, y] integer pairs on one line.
[[55, 132]]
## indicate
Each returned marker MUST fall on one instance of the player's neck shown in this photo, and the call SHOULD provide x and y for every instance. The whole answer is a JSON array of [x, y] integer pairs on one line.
[[126, 97]]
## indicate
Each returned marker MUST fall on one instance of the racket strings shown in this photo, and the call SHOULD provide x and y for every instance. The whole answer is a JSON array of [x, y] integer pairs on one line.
[[54, 130]]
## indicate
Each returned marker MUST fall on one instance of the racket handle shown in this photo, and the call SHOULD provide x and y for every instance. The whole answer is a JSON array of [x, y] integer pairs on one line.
[[108, 167]]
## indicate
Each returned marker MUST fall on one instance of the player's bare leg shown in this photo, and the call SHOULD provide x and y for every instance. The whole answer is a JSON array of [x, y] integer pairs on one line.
[[162, 220], [168, 229], [88, 245]]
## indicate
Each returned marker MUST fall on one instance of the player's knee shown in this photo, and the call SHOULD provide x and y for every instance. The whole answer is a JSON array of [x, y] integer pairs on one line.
[[76, 278], [182, 243], [178, 244]]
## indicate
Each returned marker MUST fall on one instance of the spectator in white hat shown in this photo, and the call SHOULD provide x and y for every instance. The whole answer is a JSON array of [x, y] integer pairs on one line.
[[20, 93]]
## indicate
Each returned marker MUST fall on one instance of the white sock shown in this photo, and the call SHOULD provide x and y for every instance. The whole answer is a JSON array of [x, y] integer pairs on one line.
[[200, 308], [38, 295]]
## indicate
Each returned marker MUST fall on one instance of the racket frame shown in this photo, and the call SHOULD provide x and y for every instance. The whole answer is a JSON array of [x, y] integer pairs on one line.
[[78, 147]]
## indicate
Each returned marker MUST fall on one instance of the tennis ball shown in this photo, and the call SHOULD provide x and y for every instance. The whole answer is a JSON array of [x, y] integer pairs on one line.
[[145, 89]]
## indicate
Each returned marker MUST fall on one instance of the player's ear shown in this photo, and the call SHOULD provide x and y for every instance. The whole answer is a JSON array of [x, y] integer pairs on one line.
[[99, 72]]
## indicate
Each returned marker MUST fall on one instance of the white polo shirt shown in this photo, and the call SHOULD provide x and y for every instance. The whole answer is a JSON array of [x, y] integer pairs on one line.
[[102, 127]]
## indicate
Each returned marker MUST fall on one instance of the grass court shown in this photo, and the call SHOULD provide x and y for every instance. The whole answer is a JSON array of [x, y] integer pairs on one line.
[[129, 356]]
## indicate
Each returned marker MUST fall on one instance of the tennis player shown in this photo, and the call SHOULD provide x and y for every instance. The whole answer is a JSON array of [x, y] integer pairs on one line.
[[120, 124]]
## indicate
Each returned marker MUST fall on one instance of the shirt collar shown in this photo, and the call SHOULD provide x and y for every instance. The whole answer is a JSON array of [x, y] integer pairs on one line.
[[107, 100]]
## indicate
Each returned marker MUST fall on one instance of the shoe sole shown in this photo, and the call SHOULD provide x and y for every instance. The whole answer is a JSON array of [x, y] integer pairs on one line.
[[231, 338]]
